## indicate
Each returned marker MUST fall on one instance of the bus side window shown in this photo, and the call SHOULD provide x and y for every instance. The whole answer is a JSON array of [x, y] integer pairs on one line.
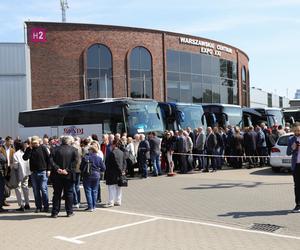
[[120, 127], [106, 127]]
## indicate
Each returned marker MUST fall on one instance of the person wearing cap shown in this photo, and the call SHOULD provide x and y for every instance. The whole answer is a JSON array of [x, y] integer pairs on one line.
[[39, 163]]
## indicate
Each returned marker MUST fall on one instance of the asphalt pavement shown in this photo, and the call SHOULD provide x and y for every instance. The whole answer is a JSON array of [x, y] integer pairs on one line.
[[228, 209]]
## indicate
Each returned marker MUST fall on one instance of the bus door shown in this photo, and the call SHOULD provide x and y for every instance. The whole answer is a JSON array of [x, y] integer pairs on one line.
[[246, 120], [271, 120], [224, 120], [180, 117], [211, 119]]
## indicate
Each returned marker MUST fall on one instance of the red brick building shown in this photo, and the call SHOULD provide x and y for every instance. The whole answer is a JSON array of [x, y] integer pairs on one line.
[[77, 61]]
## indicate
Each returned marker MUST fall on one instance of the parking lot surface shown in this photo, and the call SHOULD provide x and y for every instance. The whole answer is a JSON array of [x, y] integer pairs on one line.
[[195, 211]]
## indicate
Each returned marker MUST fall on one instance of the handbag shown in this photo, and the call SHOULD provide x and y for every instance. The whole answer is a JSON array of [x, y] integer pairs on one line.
[[132, 158], [13, 181], [122, 181], [6, 191]]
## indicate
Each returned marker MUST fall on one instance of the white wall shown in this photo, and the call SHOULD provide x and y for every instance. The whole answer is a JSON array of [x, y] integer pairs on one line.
[[15, 85], [259, 99]]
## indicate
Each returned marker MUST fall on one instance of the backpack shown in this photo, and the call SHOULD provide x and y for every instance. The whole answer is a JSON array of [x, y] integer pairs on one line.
[[87, 167]]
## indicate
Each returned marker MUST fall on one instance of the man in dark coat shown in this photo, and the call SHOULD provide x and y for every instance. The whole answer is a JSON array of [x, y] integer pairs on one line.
[[210, 148], [219, 147], [39, 162], [261, 146], [250, 141], [154, 143], [293, 149], [182, 150], [237, 148], [143, 155], [2, 181], [63, 160]]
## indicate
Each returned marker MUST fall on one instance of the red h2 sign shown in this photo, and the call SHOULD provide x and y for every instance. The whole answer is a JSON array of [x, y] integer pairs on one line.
[[38, 35]]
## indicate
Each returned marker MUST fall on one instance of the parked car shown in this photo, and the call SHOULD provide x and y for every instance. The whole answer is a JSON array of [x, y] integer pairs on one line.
[[281, 160]]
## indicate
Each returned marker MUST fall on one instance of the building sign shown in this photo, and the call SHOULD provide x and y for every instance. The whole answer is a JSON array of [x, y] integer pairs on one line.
[[37, 35], [208, 48]]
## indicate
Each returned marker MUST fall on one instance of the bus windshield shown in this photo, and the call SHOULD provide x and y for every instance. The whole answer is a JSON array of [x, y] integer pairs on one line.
[[143, 118], [191, 116], [234, 115], [277, 118]]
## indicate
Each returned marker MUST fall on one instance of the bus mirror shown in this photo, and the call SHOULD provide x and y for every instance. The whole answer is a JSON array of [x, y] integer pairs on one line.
[[157, 112], [292, 120], [225, 116]]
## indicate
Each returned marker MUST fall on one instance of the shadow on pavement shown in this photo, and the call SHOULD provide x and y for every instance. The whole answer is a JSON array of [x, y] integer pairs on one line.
[[20, 217], [269, 172], [233, 185], [225, 185], [237, 215]]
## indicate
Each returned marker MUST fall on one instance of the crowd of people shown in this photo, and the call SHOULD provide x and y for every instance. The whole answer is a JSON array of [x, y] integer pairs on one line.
[[187, 150], [66, 161], [63, 162]]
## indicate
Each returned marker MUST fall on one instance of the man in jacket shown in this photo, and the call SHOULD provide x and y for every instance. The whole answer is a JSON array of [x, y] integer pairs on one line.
[[262, 150], [7, 151], [250, 138], [143, 155], [182, 149], [199, 147], [210, 146], [154, 143], [63, 161], [39, 164], [294, 150], [219, 146], [2, 181]]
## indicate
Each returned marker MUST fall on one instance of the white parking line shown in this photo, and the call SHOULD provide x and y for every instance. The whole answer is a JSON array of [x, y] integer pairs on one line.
[[76, 241], [155, 218], [204, 224]]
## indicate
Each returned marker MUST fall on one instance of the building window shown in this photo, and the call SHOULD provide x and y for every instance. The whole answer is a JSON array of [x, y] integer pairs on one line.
[[99, 72], [270, 100], [280, 102], [244, 87], [244, 74], [140, 68], [198, 78]]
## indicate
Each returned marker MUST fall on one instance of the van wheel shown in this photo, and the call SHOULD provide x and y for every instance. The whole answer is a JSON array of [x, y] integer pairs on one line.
[[276, 170]]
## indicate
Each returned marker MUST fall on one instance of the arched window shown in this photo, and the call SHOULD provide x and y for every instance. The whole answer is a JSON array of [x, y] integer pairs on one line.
[[99, 71], [140, 67], [244, 87], [244, 74]]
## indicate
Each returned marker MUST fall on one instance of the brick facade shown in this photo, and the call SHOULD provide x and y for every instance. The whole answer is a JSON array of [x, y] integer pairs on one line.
[[58, 65]]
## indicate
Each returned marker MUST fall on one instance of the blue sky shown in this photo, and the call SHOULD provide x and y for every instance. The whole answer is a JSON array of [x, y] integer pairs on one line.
[[268, 31]]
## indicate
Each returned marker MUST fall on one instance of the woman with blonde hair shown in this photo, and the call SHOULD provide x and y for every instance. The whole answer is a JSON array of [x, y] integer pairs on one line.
[[91, 166]]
